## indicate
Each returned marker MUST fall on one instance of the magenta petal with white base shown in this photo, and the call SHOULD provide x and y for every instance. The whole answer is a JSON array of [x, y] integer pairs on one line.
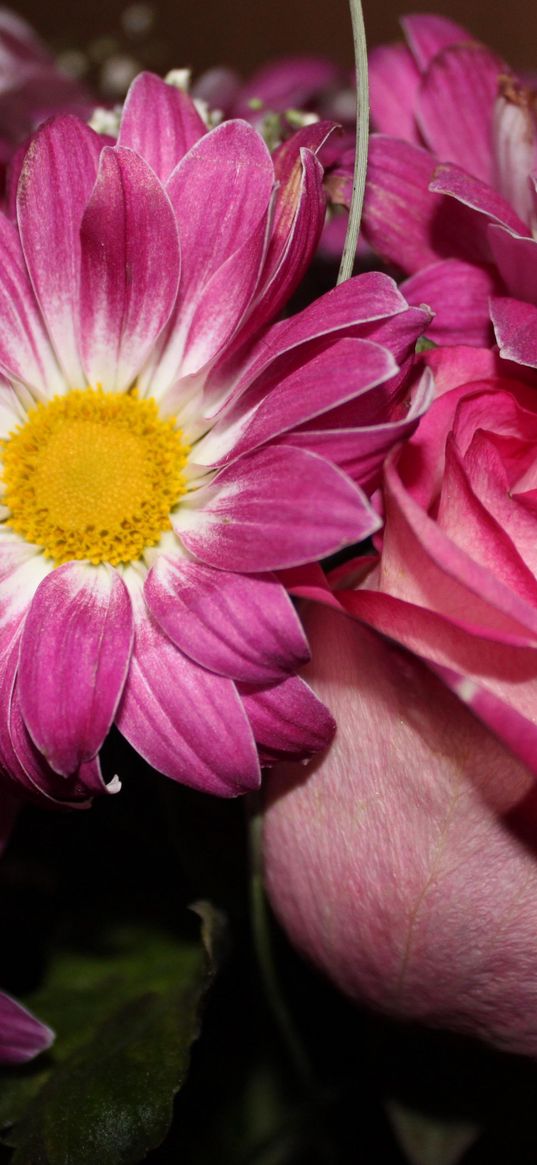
[[241, 626], [400, 864], [22, 1036], [274, 509], [359, 303], [303, 394], [126, 292], [185, 721], [50, 211], [25, 351], [160, 123], [73, 662], [220, 192]]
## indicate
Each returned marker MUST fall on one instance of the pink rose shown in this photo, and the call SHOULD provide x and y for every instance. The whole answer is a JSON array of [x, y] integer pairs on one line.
[[404, 862], [455, 582]]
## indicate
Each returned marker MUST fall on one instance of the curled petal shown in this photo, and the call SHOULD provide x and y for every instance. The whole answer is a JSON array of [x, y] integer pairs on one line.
[[288, 720], [459, 294], [273, 509], [515, 326], [73, 662], [130, 269], [57, 177]]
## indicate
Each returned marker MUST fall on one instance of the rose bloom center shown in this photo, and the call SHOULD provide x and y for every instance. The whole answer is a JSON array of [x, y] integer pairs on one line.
[[93, 475]]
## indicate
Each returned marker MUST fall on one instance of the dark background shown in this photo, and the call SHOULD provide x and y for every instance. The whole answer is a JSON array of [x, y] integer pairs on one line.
[[243, 33]]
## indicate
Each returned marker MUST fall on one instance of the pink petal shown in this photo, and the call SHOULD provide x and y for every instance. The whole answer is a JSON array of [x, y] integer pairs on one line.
[[496, 525], [458, 293], [515, 150], [273, 509], [186, 722], [402, 867], [459, 366], [364, 300], [314, 138], [361, 452], [22, 1036], [393, 84], [516, 259], [423, 565], [288, 83], [56, 181], [497, 676], [241, 626], [515, 326], [403, 221], [73, 662], [288, 720], [299, 215], [220, 309], [31, 771], [25, 351], [428, 34], [472, 192], [220, 193], [344, 371], [463, 78], [160, 123], [130, 269]]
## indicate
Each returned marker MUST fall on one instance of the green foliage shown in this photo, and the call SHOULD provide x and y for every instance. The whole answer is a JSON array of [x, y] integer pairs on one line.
[[125, 1020]]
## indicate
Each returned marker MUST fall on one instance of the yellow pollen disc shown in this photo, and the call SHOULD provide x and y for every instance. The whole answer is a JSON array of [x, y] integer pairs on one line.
[[93, 475]]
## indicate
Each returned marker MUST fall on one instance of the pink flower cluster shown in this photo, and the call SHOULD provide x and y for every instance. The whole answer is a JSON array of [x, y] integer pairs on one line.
[[405, 866]]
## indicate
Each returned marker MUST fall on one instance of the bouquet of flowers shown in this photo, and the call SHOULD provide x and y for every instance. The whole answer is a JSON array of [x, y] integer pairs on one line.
[[267, 604]]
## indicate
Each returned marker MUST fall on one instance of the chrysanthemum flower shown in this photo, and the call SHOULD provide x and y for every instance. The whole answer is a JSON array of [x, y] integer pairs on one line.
[[165, 451], [451, 183]]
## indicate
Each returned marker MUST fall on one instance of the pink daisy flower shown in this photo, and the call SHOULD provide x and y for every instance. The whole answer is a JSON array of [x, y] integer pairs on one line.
[[165, 451], [452, 186]]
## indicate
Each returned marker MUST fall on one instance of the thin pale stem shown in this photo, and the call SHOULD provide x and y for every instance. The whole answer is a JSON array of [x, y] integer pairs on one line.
[[362, 140]]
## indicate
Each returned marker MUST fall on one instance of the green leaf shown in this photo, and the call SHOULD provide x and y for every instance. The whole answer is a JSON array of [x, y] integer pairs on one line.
[[424, 344], [125, 1019]]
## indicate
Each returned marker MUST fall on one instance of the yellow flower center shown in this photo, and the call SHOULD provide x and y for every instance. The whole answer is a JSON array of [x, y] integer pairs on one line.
[[93, 475]]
